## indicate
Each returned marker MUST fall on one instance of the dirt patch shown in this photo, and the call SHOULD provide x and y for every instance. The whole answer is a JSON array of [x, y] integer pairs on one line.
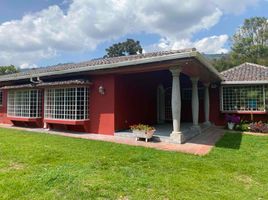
[[12, 166]]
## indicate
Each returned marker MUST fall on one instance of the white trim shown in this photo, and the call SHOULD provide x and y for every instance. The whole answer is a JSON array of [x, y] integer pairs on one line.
[[263, 89], [243, 82], [24, 109], [67, 103], [209, 66], [181, 55]]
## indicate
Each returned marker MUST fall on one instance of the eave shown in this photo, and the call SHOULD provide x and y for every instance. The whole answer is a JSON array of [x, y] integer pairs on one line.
[[243, 82], [182, 55]]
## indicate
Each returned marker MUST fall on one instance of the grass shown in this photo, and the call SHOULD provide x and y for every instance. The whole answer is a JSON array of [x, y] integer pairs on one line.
[[41, 166]]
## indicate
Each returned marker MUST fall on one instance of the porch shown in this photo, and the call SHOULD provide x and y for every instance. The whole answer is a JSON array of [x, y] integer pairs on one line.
[[176, 98], [162, 133]]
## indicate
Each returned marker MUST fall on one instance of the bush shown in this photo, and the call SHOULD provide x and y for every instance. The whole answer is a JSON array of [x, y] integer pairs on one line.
[[242, 127], [259, 127]]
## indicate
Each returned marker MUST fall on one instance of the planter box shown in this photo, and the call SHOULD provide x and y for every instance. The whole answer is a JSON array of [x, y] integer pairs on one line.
[[143, 134], [230, 125]]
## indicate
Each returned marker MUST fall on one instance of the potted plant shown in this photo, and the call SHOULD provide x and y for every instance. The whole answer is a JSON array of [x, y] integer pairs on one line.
[[143, 131], [232, 120]]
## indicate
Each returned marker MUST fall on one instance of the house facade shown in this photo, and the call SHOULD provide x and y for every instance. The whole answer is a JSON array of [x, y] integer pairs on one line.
[[108, 95]]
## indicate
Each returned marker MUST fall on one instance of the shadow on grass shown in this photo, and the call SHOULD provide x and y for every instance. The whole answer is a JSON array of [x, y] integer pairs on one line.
[[230, 141]]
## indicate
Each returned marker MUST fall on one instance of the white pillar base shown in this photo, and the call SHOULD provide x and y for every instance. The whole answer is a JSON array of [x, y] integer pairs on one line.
[[177, 137], [208, 123]]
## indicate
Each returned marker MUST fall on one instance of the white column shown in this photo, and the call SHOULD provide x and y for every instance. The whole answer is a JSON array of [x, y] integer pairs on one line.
[[195, 101], [176, 104], [206, 104]]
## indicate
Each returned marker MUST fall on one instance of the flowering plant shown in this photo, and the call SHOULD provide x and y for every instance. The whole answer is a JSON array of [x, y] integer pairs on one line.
[[142, 127], [258, 127], [232, 119]]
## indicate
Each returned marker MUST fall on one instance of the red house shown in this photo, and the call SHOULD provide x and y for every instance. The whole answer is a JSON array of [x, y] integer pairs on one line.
[[108, 95]]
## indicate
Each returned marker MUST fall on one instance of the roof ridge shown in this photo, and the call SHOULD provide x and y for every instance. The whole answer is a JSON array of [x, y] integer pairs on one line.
[[144, 54], [255, 64], [246, 72], [242, 65], [233, 68], [98, 62]]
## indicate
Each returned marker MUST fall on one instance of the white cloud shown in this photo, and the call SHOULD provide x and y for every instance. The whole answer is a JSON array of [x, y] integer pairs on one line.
[[212, 44], [28, 66], [235, 7], [87, 23]]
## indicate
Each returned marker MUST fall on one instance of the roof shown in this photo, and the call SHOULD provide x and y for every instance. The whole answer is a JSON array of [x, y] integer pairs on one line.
[[49, 84], [109, 63], [246, 73]]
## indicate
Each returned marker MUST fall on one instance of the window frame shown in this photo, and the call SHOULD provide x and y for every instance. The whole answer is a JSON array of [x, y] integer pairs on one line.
[[22, 110], [263, 98], [51, 111]]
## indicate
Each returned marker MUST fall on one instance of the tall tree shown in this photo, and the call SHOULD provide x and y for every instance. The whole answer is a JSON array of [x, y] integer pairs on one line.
[[129, 47], [8, 69], [250, 42]]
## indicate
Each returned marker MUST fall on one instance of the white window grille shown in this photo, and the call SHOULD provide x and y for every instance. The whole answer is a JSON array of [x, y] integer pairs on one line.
[[244, 98], [24, 103], [1, 98], [67, 103]]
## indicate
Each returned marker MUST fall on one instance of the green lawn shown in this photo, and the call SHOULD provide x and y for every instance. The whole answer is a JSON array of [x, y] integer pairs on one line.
[[41, 166]]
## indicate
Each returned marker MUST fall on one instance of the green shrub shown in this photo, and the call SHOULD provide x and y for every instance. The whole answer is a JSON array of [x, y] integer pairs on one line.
[[242, 126]]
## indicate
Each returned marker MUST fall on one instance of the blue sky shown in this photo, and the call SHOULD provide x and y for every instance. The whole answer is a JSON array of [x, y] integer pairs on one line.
[[46, 32]]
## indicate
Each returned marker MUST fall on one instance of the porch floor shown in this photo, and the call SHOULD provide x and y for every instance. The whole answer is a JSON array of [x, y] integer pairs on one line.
[[199, 145], [163, 131]]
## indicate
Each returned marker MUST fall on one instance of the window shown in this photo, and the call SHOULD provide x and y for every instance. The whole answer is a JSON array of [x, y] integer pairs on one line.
[[1, 97], [66, 103], [24, 103], [244, 98]]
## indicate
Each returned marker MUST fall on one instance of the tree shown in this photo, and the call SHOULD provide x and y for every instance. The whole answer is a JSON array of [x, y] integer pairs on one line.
[[250, 42], [129, 47], [8, 69], [223, 63]]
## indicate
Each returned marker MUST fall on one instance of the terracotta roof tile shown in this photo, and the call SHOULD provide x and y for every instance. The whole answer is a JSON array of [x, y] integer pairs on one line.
[[94, 62], [246, 72]]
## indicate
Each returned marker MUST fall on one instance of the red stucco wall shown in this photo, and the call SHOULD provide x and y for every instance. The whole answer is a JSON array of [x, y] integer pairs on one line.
[[102, 107], [3, 109], [135, 100], [131, 99]]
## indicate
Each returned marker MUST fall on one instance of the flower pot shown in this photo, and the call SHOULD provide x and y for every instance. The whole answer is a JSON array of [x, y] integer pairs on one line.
[[143, 134], [231, 125]]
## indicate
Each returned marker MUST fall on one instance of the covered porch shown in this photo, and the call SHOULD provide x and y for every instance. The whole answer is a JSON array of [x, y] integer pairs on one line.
[[174, 97]]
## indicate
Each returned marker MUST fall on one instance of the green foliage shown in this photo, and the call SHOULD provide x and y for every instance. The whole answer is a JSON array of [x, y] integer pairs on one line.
[[223, 63], [8, 69], [141, 127], [129, 47], [242, 126], [249, 44], [45, 166]]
